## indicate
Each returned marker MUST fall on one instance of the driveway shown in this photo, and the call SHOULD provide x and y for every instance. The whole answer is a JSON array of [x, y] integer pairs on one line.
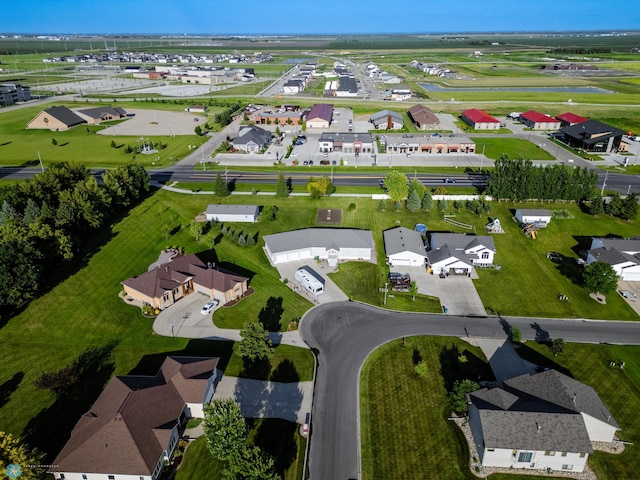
[[261, 399], [503, 358], [457, 293], [631, 287], [331, 291]]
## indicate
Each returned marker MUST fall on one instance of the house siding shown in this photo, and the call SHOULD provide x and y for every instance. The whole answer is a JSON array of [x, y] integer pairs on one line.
[[598, 430]]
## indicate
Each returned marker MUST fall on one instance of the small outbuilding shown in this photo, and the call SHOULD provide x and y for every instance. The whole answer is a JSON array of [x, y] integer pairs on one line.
[[405, 247], [232, 213], [542, 217]]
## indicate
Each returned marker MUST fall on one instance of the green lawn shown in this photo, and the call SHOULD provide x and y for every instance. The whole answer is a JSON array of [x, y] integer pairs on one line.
[[494, 147], [404, 427]]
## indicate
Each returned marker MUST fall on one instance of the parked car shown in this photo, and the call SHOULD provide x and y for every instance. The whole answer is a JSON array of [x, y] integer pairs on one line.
[[208, 307]]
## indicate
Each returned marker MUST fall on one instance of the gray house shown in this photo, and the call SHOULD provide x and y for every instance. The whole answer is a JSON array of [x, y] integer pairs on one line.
[[387, 120], [252, 139], [405, 247]]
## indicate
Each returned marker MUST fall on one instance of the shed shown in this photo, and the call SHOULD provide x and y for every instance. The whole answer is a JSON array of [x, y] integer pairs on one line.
[[232, 213], [540, 216]]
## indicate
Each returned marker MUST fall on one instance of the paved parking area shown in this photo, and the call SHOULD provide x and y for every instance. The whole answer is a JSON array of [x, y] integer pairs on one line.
[[457, 293], [331, 291], [632, 287], [156, 122]]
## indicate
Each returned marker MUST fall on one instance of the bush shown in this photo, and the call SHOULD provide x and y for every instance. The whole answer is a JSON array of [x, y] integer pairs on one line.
[[352, 206], [515, 335], [421, 368]]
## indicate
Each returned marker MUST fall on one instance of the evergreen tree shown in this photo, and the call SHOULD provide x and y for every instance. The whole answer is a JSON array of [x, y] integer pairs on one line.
[[220, 187], [596, 207], [427, 200], [31, 212], [282, 189], [413, 202], [629, 207], [614, 206]]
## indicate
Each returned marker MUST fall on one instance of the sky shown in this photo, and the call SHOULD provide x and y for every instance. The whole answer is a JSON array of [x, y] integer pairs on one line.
[[252, 17]]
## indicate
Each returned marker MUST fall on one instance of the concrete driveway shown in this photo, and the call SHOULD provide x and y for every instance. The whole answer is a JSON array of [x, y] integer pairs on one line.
[[503, 358], [332, 292], [457, 293], [632, 287]]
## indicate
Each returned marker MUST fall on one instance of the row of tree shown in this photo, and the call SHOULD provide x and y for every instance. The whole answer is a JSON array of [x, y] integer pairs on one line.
[[226, 117], [518, 179], [43, 221], [626, 208]]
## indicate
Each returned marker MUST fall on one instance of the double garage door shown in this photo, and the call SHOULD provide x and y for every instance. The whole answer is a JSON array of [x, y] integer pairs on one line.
[[293, 256]]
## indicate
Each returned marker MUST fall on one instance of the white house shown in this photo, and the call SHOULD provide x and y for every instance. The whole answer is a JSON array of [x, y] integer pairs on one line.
[[232, 213], [331, 244], [136, 422], [405, 247], [541, 421], [252, 139], [458, 253], [622, 254], [532, 215]]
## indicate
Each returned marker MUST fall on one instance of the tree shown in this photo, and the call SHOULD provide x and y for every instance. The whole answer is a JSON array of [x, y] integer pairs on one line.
[[413, 202], [58, 382], [421, 368], [282, 189], [220, 187], [413, 289], [31, 212], [166, 231], [17, 460], [600, 277], [557, 347], [224, 428], [251, 463], [458, 394], [427, 200], [442, 205], [54, 142], [395, 183], [195, 229], [198, 130], [320, 187], [20, 270], [113, 144], [596, 207], [629, 207], [515, 334], [255, 343]]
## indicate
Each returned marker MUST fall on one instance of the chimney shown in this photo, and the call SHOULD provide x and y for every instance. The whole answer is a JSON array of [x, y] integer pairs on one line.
[[574, 398], [537, 427]]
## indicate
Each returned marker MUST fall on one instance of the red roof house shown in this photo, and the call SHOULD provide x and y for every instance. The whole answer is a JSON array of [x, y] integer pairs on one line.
[[480, 120], [539, 121], [568, 119]]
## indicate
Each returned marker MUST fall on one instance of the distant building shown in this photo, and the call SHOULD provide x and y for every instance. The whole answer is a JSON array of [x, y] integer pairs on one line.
[[197, 108], [346, 142], [593, 136], [12, 93], [480, 120], [252, 139], [423, 118], [400, 93], [347, 87], [568, 119], [56, 119]]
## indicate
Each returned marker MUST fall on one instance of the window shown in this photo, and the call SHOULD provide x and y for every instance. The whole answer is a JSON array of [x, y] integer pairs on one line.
[[491, 449], [525, 456], [567, 467], [564, 454], [84, 476], [111, 477], [485, 255], [549, 453]]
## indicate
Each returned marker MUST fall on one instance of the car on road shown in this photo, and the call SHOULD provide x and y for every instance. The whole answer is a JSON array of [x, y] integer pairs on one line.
[[295, 154], [449, 180], [208, 307], [305, 163]]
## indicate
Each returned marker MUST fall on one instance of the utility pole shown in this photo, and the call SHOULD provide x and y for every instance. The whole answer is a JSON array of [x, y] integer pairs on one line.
[[604, 183], [40, 158]]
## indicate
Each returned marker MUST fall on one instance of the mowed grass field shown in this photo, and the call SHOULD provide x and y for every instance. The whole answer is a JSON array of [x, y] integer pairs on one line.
[[20, 147], [404, 426]]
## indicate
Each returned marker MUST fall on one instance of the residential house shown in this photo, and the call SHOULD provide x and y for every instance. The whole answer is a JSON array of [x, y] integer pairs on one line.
[[135, 424], [347, 87], [404, 247], [320, 116], [542, 421], [539, 121], [568, 119], [593, 136], [346, 142], [56, 119], [458, 253], [331, 244], [232, 213], [252, 139], [291, 87], [622, 254], [400, 93], [542, 217], [387, 120], [480, 120], [423, 118], [95, 116], [165, 284]]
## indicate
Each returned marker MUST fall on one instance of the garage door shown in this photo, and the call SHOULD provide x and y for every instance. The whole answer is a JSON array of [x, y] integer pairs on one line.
[[201, 289]]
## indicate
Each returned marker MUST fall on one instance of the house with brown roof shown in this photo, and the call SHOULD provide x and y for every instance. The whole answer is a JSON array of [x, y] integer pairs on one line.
[[56, 119], [164, 285], [135, 423], [423, 118], [95, 116], [320, 116]]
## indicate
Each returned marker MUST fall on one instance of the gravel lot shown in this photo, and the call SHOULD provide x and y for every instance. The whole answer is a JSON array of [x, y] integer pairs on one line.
[[156, 122]]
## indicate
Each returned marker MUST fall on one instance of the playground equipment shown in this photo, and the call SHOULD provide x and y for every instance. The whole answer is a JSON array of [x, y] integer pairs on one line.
[[449, 219], [494, 227], [530, 230]]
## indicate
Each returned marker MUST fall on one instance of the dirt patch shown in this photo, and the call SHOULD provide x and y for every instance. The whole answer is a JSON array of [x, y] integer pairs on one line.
[[328, 216]]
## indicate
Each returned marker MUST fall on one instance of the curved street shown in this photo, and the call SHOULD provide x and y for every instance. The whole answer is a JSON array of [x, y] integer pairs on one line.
[[342, 335]]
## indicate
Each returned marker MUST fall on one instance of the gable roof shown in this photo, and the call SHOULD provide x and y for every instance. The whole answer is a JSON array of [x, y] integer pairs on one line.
[[322, 111], [64, 115], [461, 241], [537, 117], [175, 273], [225, 209], [591, 132], [129, 425], [336, 238], [571, 118], [422, 115], [401, 239], [383, 114], [563, 391], [534, 212], [254, 134], [100, 112], [478, 116], [347, 84]]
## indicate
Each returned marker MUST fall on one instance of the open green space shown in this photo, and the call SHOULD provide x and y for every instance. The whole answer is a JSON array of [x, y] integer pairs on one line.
[[404, 426], [514, 147]]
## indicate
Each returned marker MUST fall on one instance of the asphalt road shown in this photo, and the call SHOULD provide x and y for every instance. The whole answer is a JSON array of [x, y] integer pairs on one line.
[[342, 335]]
